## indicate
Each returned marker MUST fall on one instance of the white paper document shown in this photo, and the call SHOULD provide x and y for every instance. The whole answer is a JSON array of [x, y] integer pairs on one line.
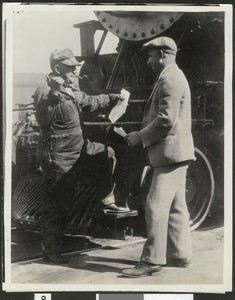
[[120, 108], [120, 131]]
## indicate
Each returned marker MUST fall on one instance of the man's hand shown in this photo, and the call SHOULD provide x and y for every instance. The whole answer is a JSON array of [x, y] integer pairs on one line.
[[115, 97], [133, 138], [55, 83]]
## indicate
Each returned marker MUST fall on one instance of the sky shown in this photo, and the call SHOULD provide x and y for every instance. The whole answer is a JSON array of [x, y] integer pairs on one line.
[[37, 34]]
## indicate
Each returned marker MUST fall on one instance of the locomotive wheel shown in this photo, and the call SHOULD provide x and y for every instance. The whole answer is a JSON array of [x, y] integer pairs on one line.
[[199, 188]]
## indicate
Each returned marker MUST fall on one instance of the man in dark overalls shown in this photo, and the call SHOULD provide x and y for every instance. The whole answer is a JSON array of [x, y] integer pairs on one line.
[[61, 142]]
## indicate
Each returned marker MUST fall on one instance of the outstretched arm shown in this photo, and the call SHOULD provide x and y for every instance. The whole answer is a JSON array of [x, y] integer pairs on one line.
[[96, 101]]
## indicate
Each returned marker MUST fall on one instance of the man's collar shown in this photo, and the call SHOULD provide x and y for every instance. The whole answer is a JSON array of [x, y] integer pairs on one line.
[[166, 67]]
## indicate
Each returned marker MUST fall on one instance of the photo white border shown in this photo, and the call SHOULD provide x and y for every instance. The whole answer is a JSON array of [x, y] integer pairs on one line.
[[8, 9]]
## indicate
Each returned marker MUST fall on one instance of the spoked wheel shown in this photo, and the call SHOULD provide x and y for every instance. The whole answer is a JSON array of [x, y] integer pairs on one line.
[[200, 187]]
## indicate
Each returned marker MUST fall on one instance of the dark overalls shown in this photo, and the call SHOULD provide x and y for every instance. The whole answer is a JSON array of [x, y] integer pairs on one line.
[[60, 145]]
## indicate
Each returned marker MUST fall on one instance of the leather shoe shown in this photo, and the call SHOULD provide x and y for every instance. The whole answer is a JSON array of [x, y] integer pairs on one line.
[[141, 270], [179, 262], [54, 259], [113, 208]]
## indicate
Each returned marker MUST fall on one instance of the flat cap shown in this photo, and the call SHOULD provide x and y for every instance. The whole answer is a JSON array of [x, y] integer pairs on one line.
[[163, 43], [65, 57]]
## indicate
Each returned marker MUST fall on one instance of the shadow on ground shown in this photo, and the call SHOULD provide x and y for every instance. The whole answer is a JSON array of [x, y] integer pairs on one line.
[[98, 264], [26, 244]]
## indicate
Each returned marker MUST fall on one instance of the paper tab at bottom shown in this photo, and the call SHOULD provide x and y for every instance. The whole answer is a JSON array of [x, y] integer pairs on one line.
[[42, 296]]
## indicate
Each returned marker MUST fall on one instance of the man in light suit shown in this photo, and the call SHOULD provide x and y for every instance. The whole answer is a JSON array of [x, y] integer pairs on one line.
[[167, 139]]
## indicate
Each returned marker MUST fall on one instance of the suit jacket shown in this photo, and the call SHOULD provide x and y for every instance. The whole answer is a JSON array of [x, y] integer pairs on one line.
[[166, 133]]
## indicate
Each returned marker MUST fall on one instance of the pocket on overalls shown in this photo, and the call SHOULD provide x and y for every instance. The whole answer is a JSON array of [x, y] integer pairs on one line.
[[67, 111], [60, 142], [61, 151]]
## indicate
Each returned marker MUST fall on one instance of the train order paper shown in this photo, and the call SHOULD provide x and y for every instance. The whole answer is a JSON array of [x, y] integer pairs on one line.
[[120, 108], [120, 131]]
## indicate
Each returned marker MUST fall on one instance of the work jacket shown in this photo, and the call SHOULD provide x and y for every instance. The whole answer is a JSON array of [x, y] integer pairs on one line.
[[61, 129]]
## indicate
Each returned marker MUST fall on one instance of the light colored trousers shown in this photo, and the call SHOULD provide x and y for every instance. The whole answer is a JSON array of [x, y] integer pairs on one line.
[[167, 218]]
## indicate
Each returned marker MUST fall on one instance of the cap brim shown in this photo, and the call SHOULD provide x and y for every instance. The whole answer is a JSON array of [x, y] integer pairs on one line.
[[71, 62], [149, 47]]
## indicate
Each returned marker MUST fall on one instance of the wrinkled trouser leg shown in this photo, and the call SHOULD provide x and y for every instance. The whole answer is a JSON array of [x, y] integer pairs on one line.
[[95, 148], [167, 191], [179, 237], [59, 190], [56, 206], [53, 221]]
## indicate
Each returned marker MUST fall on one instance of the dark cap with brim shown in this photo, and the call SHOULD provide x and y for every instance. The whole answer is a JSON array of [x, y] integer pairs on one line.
[[164, 43], [65, 57]]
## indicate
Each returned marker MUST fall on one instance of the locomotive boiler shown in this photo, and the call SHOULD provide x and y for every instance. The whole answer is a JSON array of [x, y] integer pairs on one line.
[[200, 56]]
